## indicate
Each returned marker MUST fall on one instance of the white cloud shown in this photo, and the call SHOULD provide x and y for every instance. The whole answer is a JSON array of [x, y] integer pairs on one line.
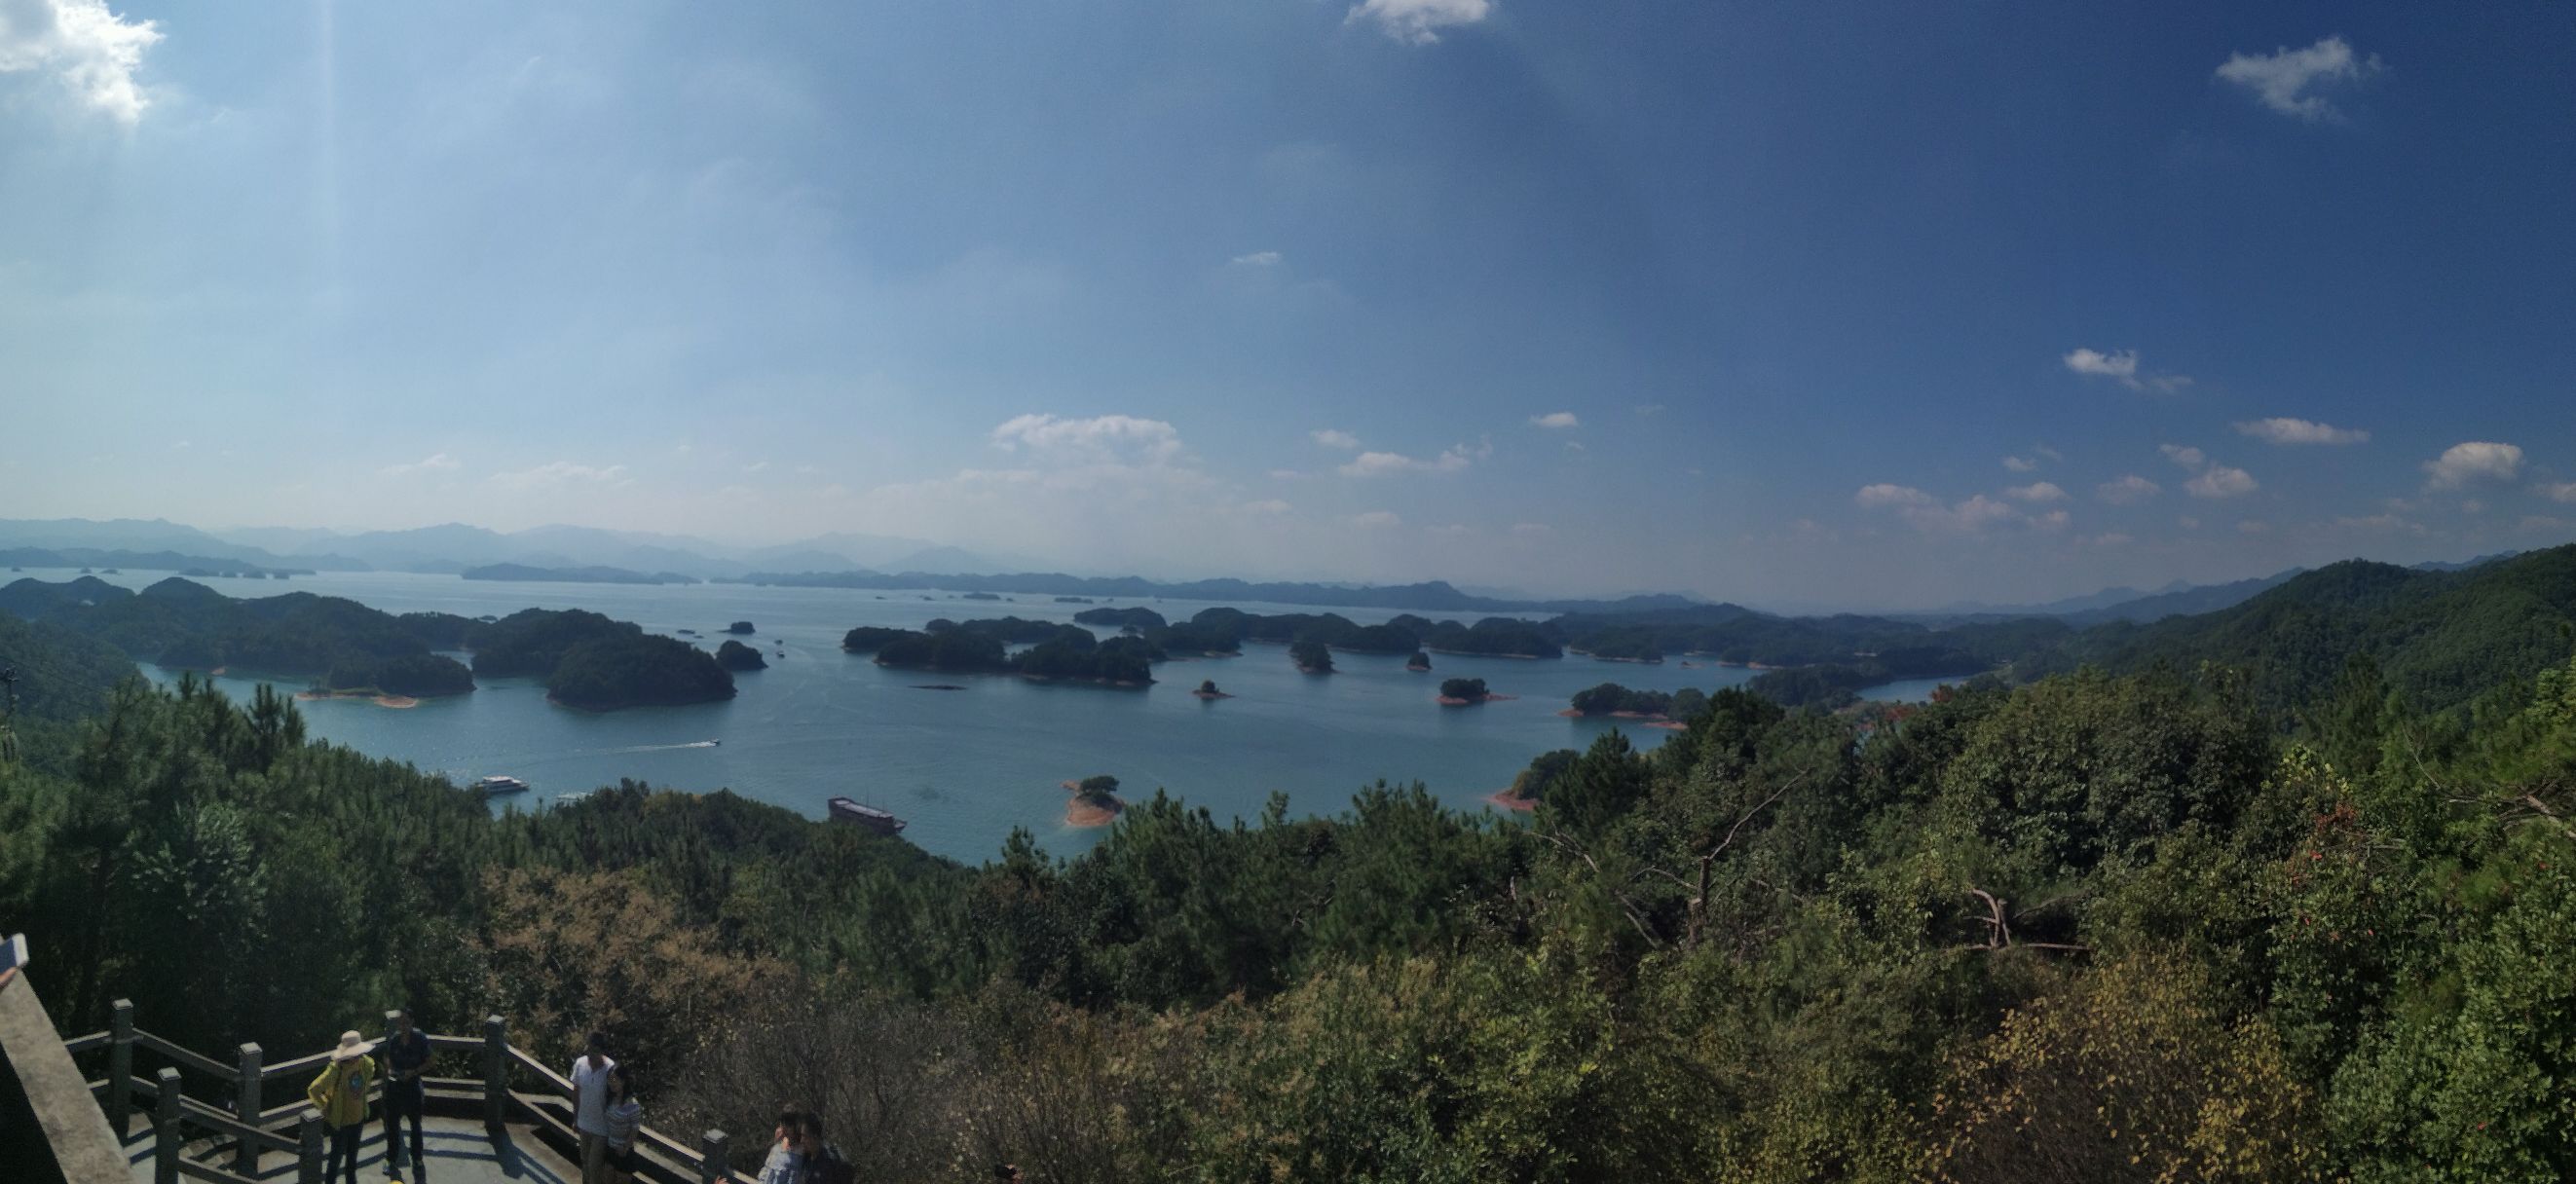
[[1258, 259], [1267, 506], [2280, 78], [1873, 496], [436, 463], [2129, 490], [1557, 419], [2047, 452], [2284, 430], [2564, 491], [2053, 520], [1377, 520], [2218, 481], [1335, 438], [92, 51], [2120, 366], [1387, 464], [556, 474], [1418, 22], [2184, 455], [1575, 446], [756, 466], [2020, 464], [2108, 539], [2037, 491], [2476, 460], [1099, 438], [1285, 474]]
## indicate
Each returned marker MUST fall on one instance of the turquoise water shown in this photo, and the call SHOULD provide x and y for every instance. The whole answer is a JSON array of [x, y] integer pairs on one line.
[[964, 767]]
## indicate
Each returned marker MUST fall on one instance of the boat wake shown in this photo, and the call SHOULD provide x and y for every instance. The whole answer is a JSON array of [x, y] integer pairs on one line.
[[663, 747]]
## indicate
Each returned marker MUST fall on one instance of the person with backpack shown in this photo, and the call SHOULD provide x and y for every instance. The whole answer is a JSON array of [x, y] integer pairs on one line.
[[406, 1060], [340, 1093], [590, 1107]]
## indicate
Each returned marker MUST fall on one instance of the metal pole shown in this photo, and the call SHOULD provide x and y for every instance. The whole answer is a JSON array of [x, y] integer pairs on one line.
[[711, 1157], [165, 1127], [120, 1067], [246, 1108]]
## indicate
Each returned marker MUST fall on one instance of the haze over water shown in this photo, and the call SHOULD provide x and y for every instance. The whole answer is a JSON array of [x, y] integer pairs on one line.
[[965, 767]]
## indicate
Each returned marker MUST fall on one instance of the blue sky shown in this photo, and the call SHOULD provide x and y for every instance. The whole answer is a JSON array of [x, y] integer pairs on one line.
[[1879, 305]]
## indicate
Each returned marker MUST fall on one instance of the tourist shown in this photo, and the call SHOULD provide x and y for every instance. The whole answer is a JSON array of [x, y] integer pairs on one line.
[[625, 1117], [340, 1093], [590, 1108], [824, 1163], [786, 1163], [406, 1060]]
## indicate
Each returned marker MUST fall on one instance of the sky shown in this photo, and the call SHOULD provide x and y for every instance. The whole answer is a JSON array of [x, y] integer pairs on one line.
[[1887, 305]]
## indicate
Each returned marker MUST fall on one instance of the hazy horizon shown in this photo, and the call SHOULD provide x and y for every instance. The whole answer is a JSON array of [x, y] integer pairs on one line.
[[1896, 312]]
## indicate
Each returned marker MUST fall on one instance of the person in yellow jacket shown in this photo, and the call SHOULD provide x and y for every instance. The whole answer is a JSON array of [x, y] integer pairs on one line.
[[340, 1093]]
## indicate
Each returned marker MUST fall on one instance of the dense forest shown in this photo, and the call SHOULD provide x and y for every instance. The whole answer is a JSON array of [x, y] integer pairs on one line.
[[2205, 920]]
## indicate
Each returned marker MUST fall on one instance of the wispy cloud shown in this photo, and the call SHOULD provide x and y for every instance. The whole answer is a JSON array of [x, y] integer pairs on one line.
[[435, 463], [1335, 438], [2284, 430], [2037, 491], [1377, 520], [2476, 460], [2221, 481], [1418, 22], [2563, 491], [559, 473], [1927, 513], [1101, 437], [1556, 420], [2184, 455], [2128, 490], [1258, 259], [2020, 464], [89, 49], [2121, 366], [1387, 464], [2284, 78], [1876, 496]]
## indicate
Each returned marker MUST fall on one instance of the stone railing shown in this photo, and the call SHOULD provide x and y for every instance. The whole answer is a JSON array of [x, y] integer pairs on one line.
[[511, 1088]]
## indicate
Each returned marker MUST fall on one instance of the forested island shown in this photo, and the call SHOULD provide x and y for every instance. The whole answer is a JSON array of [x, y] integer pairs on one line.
[[1057, 652], [1611, 699], [2308, 914], [346, 647], [737, 657]]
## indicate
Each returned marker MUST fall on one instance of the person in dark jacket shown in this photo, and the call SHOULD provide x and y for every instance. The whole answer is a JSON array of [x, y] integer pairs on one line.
[[406, 1062]]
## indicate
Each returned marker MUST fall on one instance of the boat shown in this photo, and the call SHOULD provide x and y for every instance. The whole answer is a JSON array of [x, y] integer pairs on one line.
[[850, 811], [497, 784]]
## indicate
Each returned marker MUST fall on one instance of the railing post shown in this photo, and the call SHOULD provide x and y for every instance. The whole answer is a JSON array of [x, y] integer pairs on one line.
[[120, 1067], [496, 1073], [165, 1127], [246, 1108], [308, 1129], [711, 1157]]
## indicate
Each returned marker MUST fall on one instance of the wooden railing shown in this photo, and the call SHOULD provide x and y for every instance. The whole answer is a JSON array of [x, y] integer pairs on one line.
[[249, 1128]]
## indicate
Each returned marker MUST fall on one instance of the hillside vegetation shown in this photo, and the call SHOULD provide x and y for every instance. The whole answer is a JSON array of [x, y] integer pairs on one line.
[[2097, 927]]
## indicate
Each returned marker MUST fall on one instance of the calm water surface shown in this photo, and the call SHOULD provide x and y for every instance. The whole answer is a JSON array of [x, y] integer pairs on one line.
[[965, 767]]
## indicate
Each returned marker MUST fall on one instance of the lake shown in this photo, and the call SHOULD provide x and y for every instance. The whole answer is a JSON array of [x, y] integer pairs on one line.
[[965, 767]]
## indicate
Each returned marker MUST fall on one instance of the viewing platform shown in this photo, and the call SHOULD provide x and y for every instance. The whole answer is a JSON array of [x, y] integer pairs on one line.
[[194, 1117]]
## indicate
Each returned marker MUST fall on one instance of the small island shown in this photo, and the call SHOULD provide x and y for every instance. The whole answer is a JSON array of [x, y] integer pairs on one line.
[[1466, 692], [1095, 801], [1311, 656], [1655, 709], [1207, 690], [637, 670], [739, 627], [1530, 786], [1419, 663], [734, 655]]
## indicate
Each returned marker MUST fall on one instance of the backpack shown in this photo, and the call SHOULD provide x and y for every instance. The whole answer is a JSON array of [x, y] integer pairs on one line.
[[831, 1167]]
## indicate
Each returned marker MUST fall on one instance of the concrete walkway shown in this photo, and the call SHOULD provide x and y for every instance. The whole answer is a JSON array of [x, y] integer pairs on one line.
[[458, 1150]]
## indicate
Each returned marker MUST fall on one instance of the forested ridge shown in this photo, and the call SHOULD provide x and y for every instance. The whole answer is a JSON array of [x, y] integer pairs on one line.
[[2278, 919]]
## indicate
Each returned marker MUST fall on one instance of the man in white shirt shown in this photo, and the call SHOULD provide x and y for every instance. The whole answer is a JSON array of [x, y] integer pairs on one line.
[[590, 1108]]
